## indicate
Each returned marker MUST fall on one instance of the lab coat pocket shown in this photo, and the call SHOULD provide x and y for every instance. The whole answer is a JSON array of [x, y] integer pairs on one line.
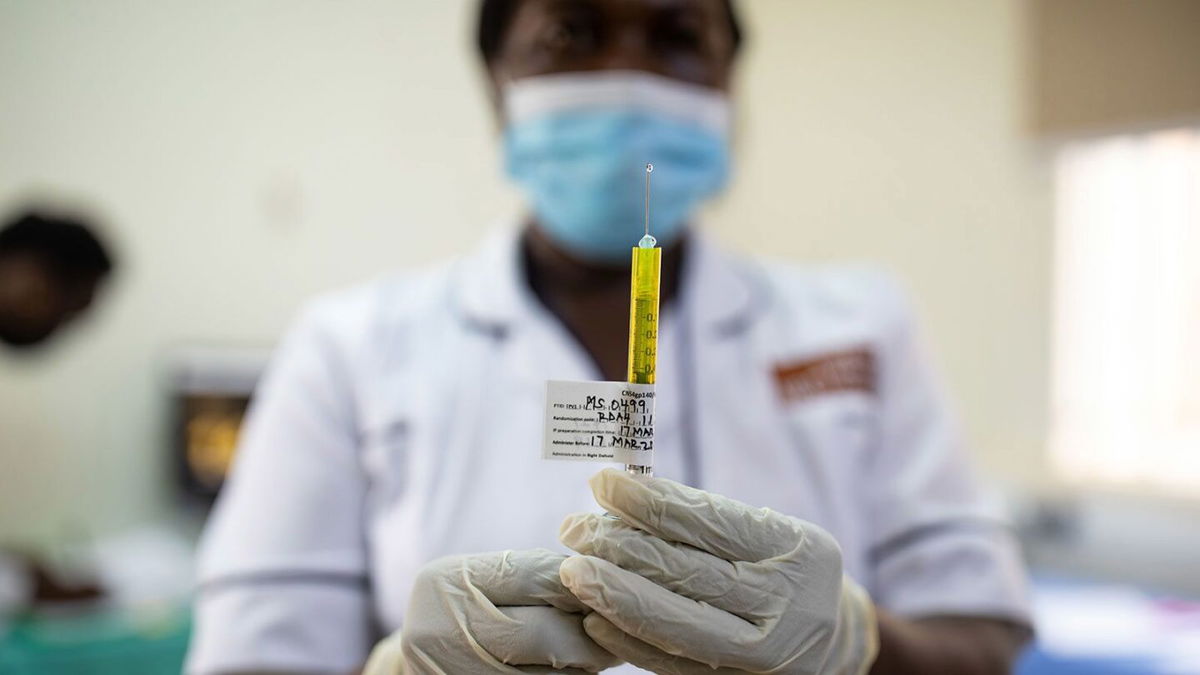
[[839, 427]]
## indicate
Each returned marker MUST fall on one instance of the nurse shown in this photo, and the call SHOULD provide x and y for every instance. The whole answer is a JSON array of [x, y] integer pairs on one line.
[[393, 447]]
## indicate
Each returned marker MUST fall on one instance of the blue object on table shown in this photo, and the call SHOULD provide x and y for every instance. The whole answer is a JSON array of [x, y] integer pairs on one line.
[[1099, 628], [1038, 662]]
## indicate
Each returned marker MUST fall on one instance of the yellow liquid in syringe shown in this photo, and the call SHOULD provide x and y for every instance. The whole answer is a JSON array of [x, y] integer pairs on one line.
[[643, 311]]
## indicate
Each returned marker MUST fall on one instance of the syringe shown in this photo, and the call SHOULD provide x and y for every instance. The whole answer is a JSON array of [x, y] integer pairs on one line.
[[643, 312]]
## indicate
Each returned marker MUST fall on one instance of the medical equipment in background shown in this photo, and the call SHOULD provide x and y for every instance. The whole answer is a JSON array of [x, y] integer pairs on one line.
[[644, 279], [209, 389]]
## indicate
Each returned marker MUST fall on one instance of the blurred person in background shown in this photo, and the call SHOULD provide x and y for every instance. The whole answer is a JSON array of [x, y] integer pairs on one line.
[[400, 424], [51, 268]]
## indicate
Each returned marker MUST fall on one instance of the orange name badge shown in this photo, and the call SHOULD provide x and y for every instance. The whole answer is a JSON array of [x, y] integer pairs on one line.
[[849, 370]]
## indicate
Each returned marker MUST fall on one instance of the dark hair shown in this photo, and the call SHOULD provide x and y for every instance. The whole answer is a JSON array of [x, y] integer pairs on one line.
[[66, 243], [495, 15]]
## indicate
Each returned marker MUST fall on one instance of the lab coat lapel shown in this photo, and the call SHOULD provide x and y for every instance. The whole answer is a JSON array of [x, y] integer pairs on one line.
[[742, 435], [513, 347], [716, 303]]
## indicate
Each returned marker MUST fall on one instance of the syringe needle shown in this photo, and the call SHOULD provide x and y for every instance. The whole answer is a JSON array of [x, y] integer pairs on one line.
[[647, 240], [649, 170]]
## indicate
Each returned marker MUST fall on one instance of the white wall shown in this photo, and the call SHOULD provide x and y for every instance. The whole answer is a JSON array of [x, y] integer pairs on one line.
[[248, 154]]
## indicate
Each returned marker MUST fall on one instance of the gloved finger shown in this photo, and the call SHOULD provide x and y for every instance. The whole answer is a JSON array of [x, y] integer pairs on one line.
[[655, 615], [740, 588], [415, 661], [542, 636], [644, 656], [513, 578], [724, 527]]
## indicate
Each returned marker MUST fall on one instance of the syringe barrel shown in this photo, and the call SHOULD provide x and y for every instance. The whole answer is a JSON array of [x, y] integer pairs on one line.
[[643, 324], [643, 314]]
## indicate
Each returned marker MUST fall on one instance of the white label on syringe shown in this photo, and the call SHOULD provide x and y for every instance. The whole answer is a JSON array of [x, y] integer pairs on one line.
[[599, 422]]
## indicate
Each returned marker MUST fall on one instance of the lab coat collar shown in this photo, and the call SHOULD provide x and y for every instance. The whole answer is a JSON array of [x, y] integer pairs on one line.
[[491, 285], [718, 290]]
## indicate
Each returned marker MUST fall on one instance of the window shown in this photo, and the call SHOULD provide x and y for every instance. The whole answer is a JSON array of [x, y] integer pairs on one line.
[[1126, 360]]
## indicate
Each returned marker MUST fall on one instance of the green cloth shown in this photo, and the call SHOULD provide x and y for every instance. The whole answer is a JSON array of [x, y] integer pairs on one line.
[[145, 641]]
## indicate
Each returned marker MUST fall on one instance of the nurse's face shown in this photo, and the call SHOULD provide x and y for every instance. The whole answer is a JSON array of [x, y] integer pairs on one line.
[[689, 40]]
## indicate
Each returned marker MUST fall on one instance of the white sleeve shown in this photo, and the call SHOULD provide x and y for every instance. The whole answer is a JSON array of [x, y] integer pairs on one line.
[[938, 543], [283, 576]]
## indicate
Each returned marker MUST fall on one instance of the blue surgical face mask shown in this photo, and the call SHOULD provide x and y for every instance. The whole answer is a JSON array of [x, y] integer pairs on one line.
[[578, 144]]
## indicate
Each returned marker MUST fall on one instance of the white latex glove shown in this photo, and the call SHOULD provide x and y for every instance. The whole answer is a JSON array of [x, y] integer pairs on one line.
[[689, 582], [504, 612]]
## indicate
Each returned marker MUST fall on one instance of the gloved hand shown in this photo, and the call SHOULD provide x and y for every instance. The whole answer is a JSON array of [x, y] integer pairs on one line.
[[689, 582], [504, 612]]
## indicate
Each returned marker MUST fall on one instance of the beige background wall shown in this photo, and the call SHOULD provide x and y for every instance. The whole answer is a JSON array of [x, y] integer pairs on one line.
[[248, 154]]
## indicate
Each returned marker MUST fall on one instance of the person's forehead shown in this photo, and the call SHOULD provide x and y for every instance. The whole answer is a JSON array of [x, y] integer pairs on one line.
[[629, 9]]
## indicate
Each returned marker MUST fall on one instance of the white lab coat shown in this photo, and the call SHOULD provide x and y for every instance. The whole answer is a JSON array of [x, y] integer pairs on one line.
[[401, 421]]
